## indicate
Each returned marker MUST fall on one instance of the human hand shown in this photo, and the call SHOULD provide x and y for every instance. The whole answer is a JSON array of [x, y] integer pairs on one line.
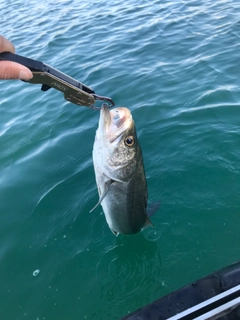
[[9, 69]]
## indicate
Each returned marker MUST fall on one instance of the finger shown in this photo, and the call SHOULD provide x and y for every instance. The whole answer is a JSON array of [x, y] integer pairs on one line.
[[6, 45], [13, 70]]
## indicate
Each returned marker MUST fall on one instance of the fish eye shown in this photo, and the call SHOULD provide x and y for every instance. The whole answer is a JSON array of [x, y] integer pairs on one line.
[[129, 141]]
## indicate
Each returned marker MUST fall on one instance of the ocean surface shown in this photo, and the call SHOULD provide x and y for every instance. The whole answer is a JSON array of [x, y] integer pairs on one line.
[[176, 66]]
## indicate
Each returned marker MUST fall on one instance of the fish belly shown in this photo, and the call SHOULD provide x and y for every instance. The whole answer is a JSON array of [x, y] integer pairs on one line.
[[125, 211]]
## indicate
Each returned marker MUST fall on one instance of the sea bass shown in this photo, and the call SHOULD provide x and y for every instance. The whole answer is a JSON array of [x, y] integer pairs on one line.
[[119, 172]]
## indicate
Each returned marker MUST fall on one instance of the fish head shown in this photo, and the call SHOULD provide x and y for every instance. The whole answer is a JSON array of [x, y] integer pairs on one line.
[[117, 144]]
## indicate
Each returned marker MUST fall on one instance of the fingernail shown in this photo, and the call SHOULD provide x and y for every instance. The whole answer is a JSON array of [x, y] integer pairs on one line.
[[25, 75]]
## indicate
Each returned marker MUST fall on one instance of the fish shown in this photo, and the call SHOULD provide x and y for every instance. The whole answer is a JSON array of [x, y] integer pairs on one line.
[[119, 173]]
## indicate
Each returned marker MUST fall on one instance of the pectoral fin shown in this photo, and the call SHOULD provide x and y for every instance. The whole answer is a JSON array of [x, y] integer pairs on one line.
[[103, 192]]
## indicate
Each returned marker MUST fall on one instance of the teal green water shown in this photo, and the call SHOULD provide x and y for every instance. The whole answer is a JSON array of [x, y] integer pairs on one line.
[[175, 65]]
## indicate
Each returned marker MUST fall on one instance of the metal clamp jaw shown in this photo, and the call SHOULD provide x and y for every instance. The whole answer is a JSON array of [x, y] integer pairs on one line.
[[73, 90]]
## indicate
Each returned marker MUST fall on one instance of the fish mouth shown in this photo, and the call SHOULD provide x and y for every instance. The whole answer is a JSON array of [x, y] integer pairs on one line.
[[114, 122]]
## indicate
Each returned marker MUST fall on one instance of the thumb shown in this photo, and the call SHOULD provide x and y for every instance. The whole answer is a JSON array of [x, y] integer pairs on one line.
[[6, 45], [13, 70]]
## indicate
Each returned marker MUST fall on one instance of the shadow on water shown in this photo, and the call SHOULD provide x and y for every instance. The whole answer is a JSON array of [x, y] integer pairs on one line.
[[135, 247], [134, 269]]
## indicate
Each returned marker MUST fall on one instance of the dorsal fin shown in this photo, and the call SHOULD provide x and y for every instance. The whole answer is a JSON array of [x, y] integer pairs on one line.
[[147, 223], [152, 207]]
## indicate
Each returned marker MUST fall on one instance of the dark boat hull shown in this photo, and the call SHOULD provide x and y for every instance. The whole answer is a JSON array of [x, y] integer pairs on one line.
[[216, 296]]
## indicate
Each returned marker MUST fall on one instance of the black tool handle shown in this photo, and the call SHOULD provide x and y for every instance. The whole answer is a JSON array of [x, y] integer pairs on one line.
[[33, 65], [38, 66]]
